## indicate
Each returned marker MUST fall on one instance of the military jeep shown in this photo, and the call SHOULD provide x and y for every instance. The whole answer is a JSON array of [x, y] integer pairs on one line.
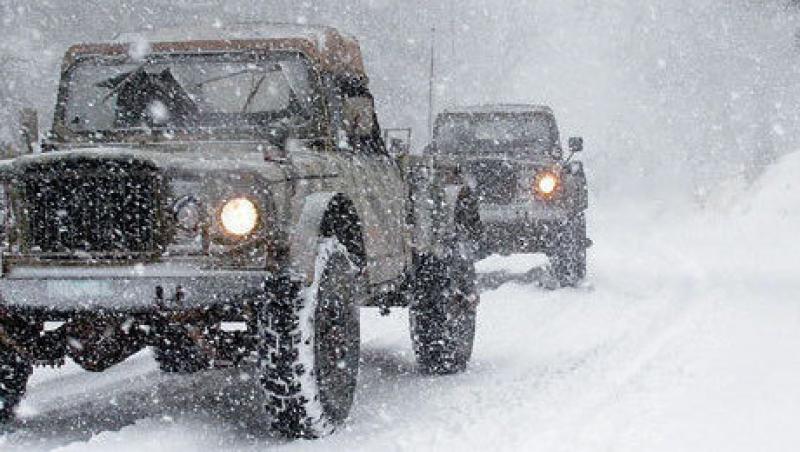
[[225, 197], [533, 198]]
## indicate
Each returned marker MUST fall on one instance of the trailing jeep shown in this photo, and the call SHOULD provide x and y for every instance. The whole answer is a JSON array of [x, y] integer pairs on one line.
[[225, 197], [532, 198]]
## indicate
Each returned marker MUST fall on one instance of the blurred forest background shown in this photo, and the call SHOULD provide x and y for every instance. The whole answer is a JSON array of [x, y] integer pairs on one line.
[[679, 100]]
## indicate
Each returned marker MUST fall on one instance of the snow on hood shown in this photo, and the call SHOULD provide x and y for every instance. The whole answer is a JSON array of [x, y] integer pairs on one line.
[[193, 157], [516, 157]]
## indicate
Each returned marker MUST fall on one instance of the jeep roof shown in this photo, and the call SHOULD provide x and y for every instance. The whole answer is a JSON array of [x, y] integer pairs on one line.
[[326, 46], [499, 108]]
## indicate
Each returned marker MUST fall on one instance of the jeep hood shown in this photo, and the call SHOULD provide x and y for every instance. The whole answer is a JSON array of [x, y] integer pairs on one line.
[[515, 156], [508, 158], [191, 159]]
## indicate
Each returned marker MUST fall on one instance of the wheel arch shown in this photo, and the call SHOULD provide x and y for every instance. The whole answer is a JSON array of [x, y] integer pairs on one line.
[[327, 214]]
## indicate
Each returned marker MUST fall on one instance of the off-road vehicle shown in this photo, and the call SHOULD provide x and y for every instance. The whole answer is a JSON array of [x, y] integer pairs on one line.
[[225, 197], [532, 198]]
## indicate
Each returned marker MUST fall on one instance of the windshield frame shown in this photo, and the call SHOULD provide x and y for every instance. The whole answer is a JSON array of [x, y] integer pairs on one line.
[[512, 146], [315, 127]]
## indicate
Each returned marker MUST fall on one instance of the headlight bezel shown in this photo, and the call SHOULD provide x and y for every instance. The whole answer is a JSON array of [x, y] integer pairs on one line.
[[211, 238]]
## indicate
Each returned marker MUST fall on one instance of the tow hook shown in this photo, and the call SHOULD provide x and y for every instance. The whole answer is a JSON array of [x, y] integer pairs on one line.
[[176, 301]]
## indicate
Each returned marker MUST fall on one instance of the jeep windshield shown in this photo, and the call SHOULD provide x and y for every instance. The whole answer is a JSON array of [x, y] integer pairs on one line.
[[496, 132], [188, 93]]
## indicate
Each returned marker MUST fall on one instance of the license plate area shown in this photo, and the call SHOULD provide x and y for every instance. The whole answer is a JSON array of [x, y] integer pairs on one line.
[[72, 289]]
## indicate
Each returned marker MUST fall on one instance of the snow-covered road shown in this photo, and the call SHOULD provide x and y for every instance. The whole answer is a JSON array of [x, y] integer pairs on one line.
[[686, 337]]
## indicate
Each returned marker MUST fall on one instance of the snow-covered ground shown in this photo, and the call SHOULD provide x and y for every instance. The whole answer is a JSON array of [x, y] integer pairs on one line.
[[686, 337]]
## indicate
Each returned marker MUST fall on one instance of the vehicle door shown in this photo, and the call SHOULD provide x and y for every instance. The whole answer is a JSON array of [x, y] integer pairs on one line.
[[377, 186]]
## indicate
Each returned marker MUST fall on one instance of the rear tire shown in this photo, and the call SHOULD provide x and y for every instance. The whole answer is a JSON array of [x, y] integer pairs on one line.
[[443, 311], [14, 373], [309, 346]]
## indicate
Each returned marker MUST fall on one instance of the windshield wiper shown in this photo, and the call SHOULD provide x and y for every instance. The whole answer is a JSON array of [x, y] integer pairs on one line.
[[256, 70], [256, 88], [225, 77], [252, 94]]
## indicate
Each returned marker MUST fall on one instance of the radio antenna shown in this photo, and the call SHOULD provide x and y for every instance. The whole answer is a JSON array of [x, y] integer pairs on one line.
[[431, 82]]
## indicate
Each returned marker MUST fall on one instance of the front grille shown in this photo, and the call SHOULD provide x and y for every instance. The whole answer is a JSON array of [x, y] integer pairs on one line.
[[92, 206], [496, 180]]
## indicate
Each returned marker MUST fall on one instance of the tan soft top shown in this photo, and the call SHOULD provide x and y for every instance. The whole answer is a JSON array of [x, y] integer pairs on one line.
[[325, 46], [498, 108]]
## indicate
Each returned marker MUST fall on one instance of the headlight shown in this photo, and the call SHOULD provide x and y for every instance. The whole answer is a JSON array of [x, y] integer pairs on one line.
[[239, 216], [546, 183], [188, 214]]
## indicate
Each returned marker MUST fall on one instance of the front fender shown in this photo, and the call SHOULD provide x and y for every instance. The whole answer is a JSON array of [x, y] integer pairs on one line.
[[303, 239], [577, 187]]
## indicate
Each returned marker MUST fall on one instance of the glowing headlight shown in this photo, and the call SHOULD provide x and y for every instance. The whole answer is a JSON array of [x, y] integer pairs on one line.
[[546, 183], [239, 216]]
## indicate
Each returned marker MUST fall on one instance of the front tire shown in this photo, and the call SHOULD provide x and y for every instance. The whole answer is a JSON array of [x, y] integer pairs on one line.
[[309, 346], [568, 260]]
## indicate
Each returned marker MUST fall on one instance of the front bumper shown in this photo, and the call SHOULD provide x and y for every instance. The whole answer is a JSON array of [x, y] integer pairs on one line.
[[523, 212], [127, 288], [520, 237], [529, 227]]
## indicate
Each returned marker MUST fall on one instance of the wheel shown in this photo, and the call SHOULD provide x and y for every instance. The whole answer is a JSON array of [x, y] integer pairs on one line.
[[14, 372], [443, 310], [308, 348], [181, 355], [568, 260]]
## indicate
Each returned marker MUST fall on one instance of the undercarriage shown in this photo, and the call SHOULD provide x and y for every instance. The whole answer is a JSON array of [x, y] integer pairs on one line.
[[101, 322], [522, 237], [563, 239]]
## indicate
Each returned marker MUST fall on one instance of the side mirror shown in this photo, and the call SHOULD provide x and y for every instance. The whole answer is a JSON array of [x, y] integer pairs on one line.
[[28, 130], [359, 114], [398, 141], [575, 145]]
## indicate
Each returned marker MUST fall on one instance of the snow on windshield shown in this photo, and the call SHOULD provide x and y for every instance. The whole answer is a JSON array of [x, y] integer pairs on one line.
[[465, 132]]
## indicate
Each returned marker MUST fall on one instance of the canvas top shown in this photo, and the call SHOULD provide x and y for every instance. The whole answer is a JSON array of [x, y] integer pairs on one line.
[[499, 108], [326, 46]]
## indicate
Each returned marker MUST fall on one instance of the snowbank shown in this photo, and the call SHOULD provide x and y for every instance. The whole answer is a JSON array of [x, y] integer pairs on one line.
[[776, 194]]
